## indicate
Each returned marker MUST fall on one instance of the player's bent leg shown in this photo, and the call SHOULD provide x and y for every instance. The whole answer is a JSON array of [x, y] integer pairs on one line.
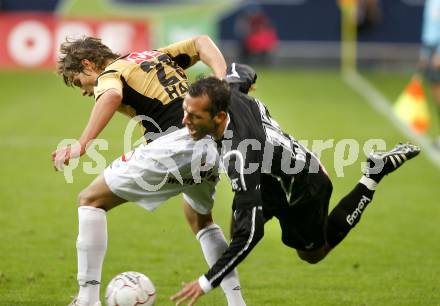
[[347, 213], [196, 221], [99, 195], [303, 223], [91, 243], [213, 244]]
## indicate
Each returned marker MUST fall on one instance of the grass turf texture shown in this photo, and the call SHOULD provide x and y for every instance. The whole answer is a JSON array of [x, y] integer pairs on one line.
[[391, 258]]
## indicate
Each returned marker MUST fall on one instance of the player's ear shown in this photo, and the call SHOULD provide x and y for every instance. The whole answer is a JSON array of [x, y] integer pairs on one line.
[[88, 64], [220, 116]]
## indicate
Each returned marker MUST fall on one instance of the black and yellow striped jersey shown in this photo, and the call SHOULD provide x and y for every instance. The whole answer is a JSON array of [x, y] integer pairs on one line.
[[152, 84]]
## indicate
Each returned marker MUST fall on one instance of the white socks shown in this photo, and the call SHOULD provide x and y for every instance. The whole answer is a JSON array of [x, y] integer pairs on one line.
[[91, 246], [213, 245]]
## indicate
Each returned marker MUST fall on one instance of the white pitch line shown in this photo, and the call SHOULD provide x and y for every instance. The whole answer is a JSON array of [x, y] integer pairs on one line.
[[384, 106]]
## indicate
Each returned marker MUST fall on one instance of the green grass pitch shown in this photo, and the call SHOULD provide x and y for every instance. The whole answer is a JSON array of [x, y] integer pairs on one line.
[[391, 258]]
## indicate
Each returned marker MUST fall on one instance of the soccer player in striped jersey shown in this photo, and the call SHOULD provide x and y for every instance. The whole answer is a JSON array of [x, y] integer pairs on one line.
[[152, 84], [272, 175]]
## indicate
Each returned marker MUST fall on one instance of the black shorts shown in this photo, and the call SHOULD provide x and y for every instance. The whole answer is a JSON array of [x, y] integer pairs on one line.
[[303, 222]]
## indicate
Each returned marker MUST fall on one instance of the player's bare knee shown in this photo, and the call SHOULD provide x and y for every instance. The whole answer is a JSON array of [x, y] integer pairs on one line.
[[87, 198], [82, 198]]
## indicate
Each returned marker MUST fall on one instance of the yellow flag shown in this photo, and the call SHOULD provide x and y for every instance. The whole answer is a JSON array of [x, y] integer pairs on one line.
[[411, 107]]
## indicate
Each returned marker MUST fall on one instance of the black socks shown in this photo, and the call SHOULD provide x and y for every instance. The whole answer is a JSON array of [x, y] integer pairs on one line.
[[348, 213]]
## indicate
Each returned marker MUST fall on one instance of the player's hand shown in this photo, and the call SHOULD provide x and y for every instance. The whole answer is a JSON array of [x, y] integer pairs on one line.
[[191, 291], [62, 156]]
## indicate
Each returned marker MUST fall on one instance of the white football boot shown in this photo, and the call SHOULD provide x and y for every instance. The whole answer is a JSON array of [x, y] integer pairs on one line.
[[383, 163]]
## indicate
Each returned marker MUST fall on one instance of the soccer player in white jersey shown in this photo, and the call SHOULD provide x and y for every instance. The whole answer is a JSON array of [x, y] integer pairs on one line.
[[150, 83]]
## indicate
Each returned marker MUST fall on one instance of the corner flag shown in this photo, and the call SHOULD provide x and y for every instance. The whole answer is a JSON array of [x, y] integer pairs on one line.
[[411, 106]]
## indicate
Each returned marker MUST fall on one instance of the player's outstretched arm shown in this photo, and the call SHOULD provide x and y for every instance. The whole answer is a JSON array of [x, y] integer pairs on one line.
[[102, 112], [210, 54], [248, 231]]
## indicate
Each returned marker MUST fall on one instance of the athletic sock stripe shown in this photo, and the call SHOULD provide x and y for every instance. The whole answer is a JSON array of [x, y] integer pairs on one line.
[[206, 230], [393, 161]]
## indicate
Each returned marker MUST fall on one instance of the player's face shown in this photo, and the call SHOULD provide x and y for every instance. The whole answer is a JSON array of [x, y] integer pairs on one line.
[[197, 118], [85, 81]]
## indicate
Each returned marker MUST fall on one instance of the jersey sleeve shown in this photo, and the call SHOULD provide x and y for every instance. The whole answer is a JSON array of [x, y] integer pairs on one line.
[[109, 79], [248, 214], [247, 232], [184, 53]]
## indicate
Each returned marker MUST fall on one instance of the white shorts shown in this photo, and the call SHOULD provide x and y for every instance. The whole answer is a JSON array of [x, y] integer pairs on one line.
[[172, 164]]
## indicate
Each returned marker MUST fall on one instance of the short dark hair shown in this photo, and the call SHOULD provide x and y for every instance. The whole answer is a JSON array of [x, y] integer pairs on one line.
[[72, 52], [217, 90]]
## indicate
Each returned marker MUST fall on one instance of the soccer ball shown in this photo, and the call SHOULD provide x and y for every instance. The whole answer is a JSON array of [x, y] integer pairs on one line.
[[130, 289]]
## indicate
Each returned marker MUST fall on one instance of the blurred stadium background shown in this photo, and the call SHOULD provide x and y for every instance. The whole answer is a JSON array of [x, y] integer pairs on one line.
[[327, 76]]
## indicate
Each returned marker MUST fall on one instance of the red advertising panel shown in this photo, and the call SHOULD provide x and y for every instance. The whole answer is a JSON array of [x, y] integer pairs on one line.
[[32, 40]]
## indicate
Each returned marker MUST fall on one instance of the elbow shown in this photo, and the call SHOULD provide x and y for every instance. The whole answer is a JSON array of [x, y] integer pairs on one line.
[[202, 39], [211, 55], [202, 43], [248, 227], [259, 224], [205, 46], [259, 233], [250, 238], [257, 237]]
